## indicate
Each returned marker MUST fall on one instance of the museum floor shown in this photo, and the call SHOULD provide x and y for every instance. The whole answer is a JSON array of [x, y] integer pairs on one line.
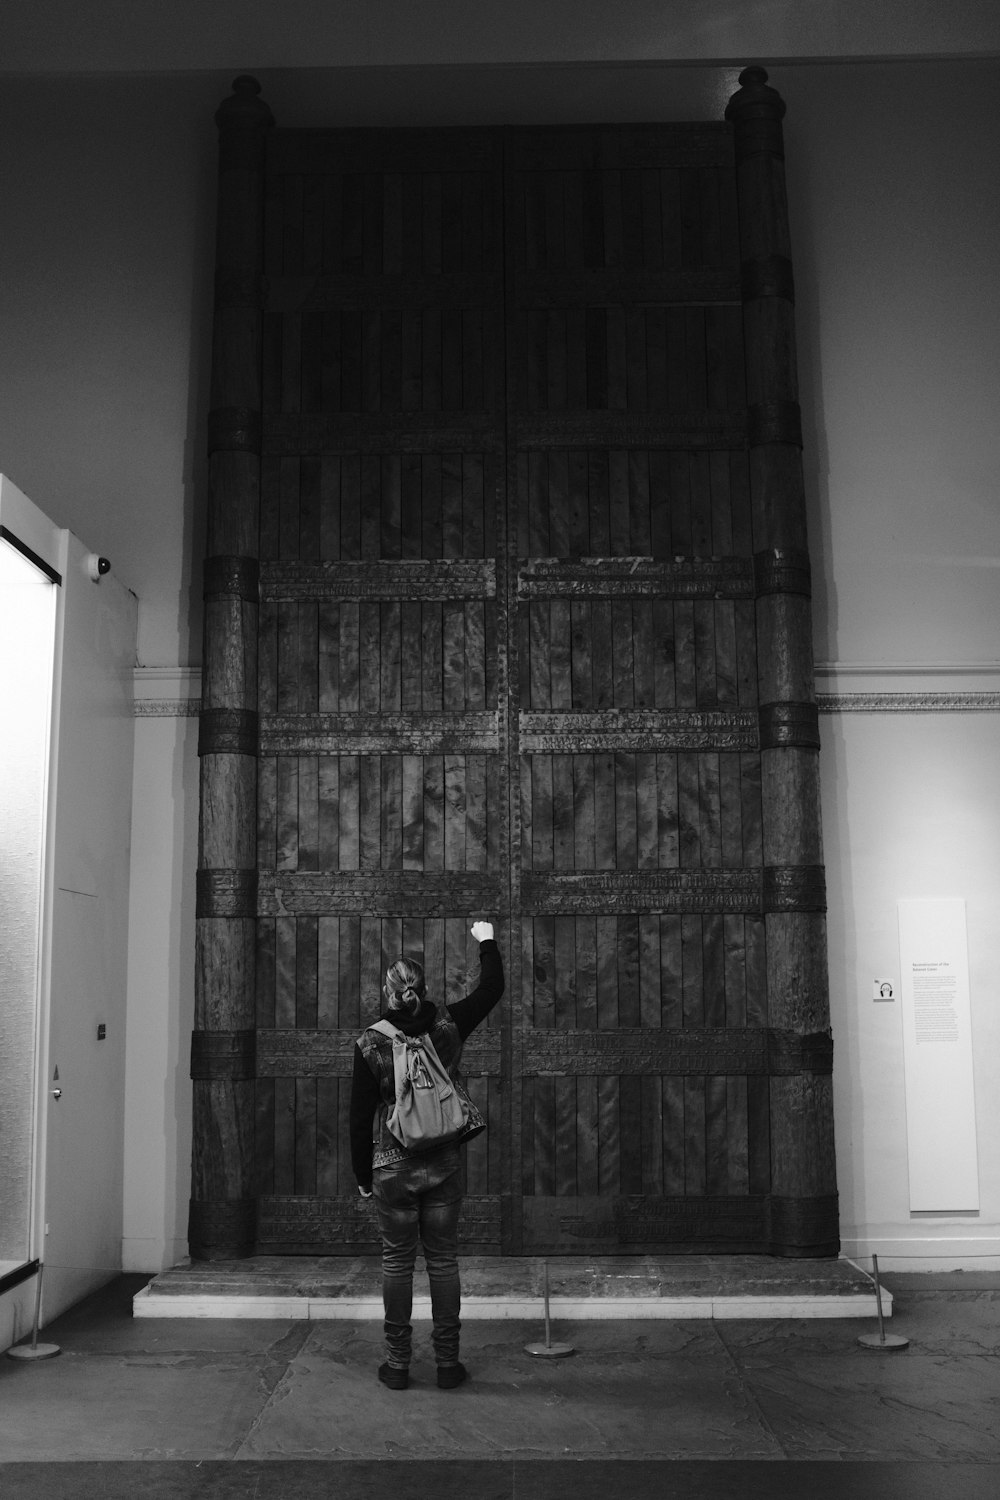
[[285, 1409]]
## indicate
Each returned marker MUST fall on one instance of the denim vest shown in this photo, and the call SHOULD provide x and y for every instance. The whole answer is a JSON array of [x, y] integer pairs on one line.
[[376, 1050]]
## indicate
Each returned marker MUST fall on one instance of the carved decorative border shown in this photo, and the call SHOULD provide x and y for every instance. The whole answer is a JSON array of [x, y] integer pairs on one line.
[[375, 734], [456, 578], [639, 730], [385, 893], [908, 703]]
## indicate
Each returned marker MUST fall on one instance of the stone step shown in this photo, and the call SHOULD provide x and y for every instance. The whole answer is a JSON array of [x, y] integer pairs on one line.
[[582, 1288]]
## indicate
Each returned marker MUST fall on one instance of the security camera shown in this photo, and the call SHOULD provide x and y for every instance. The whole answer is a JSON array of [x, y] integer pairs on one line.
[[97, 567]]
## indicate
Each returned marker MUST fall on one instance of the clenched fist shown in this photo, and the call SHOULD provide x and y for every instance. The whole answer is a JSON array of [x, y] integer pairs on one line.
[[482, 931]]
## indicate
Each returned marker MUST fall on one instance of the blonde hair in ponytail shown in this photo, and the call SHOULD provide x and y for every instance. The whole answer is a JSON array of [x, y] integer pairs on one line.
[[404, 985]]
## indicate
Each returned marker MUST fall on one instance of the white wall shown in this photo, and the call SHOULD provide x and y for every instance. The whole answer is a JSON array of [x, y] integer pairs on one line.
[[105, 273]]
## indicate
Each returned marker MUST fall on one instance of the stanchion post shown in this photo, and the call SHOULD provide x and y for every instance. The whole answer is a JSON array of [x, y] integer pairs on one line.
[[548, 1350], [35, 1350], [882, 1340]]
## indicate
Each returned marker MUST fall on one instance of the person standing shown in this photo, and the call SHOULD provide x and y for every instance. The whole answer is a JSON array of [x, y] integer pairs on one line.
[[417, 1195]]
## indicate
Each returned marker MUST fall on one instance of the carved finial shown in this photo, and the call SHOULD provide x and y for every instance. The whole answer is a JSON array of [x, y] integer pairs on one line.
[[755, 97], [244, 108]]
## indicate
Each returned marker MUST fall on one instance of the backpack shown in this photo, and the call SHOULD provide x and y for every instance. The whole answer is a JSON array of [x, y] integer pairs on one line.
[[430, 1109]]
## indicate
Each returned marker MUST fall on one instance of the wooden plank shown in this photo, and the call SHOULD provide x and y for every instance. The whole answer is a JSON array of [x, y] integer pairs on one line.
[[607, 973], [709, 802], [372, 963], [598, 489], [391, 798], [267, 796], [284, 971], [563, 818], [431, 481], [431, 344], [564, 968], [716, 1138], [646, 812], [609, 1136], [584, 813], [734, 941], [410, 664], [692, 968], [630, 1118], [287, 810], [581, 668], [652, 1135], [619, 503], [737, 1139], [434, 812], [371, 505], [553, 368], [452, 498], [542, 842], [626, 838], [756, 948], [694, 1138], [759, 1133], [605, 833], [350, 506], [389, 660], [730, 811], [308, 813], [578, 503], [688, 812], [432, 657], [726, 690], [564, 1109], [527, 1163], [586, 972], [714, 969], [328, 972], [629, 1004], [264, 1008], [672, 1090], [264, 1136], [671, 972], [350, 813], [328, 675], [661, 501], [476, 813], [454, 812], [391, 540], [623, 658], [685, 676], [753, 853], [369, 813], [544, 1137], [475, 653], [328, 1143], [345, 1177], [453, 656], [587, 1125], [305, 1135], [650, 997], [284, 1135], [706, 686], [369, 655]]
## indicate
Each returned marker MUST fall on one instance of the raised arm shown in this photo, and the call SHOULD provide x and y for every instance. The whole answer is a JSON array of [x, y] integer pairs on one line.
[[468, 1013]]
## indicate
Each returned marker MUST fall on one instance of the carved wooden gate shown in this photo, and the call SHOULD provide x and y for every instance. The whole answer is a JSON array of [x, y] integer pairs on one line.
[[506, 498]]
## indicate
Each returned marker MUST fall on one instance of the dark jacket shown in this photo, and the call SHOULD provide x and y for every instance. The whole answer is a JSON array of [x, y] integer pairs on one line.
[[371, 1096]]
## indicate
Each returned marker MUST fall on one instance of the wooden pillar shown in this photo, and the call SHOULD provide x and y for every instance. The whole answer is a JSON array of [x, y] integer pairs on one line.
[[803, 1178], [222, 1218]]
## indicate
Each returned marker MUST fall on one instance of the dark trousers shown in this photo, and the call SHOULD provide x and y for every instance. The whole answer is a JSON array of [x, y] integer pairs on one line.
[[418, 1202]]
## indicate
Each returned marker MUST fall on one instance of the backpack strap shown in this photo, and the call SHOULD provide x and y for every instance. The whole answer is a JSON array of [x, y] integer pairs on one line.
[[386, 1028]]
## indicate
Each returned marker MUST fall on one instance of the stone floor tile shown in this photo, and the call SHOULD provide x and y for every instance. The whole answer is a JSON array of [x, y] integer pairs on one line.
[[331, 1404], [887, 1406]]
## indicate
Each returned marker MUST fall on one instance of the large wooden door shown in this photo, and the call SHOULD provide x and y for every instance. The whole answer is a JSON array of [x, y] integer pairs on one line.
[[530, 645], [643, 1121]]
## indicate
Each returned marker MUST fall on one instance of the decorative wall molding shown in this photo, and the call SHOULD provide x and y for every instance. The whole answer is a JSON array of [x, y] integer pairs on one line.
[[166, 692], [915, 688]]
